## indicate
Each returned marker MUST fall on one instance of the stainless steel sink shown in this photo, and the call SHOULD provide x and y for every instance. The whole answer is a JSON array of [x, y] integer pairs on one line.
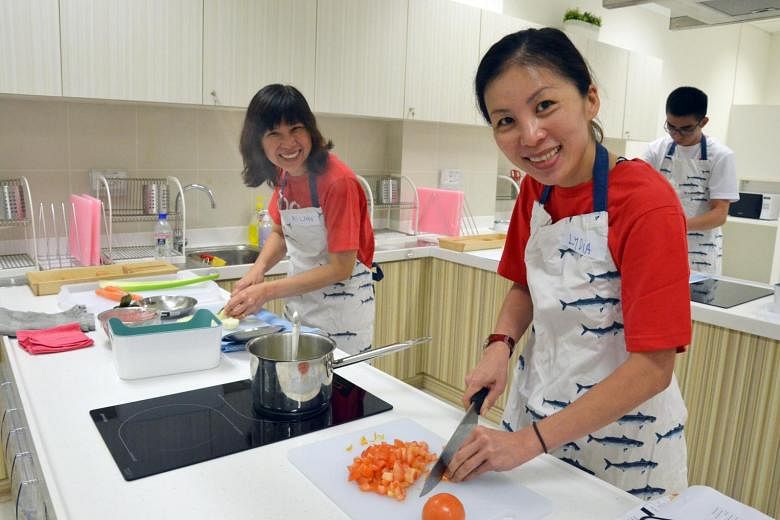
[[239, 254]]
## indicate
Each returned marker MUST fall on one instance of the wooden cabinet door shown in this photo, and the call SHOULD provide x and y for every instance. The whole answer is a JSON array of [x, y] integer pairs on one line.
[[644, 99], [30, 47], [441, 60], [139, 50], [248, 44], [361, 51], [609, 66]]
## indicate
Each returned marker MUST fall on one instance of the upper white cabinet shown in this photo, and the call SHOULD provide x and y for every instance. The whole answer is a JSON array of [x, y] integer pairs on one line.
[[643, 98], [609, 65], [140, 50], [441, 60], [30, 47], [361, 50], [248, 44], [496, 25]]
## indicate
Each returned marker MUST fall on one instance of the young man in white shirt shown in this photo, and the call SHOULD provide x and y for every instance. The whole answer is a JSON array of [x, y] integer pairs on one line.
[[702, 170]]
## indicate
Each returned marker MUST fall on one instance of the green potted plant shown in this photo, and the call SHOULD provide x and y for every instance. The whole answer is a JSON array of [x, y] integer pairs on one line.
[[581, 22]]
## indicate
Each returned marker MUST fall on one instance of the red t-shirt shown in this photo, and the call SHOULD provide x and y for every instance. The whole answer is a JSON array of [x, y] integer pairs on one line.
[[647, 240], [343, 204]]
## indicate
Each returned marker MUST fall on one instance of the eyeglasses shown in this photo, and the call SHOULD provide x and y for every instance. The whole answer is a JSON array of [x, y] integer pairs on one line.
[[682, 130]]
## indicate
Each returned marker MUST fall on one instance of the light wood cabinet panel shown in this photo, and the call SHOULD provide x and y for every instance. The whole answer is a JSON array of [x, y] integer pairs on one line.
[[609, 66], [643, 98], [30, 47], [248, 44], [441, 61], [730, 385], [361, 52], [138, 50], [403, 312]]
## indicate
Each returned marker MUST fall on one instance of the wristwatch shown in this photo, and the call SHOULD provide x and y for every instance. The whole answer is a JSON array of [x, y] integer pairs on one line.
[[509, 340]]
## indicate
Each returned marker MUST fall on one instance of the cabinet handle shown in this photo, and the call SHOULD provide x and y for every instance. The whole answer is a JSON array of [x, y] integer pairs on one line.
[[215, 98], [411, 112]]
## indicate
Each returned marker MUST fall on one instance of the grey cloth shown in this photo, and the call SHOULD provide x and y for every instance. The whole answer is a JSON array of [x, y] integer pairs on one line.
[[11, 321]]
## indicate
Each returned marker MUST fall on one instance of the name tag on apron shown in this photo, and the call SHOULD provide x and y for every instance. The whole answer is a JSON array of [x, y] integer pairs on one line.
[[584, 243], [308, 218]]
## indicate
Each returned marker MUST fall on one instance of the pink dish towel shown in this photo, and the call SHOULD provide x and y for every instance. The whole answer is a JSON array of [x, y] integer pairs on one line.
[[440, 211], [95, 210], [56, 339], [81, 229]]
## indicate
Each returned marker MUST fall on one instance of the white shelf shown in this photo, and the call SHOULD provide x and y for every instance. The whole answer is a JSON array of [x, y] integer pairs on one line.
[[752, 221]]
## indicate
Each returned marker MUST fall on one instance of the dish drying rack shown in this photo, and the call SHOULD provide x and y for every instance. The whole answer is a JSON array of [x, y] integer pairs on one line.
[[141, 200], [18, 247], [383, 194]]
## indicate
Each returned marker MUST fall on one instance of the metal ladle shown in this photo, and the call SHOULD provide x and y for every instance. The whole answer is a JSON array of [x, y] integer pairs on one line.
[[296, 333]]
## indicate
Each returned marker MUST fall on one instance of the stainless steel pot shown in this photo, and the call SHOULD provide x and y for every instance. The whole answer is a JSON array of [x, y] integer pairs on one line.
[[295, 385]]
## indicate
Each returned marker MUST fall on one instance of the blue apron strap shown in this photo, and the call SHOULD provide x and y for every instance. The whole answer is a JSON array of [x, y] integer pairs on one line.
[[703, 147], [672, 148], [315, 198], [600, 174], [545, 195], [376, 272]]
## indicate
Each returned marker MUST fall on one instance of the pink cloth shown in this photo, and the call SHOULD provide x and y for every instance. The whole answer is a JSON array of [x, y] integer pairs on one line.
[[56, 339], [440, 211]]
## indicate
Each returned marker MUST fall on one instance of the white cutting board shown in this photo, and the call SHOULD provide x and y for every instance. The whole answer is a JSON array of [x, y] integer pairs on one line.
[[492, 496], [209, 295]]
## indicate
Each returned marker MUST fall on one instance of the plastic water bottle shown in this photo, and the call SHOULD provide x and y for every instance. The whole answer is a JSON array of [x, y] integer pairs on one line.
[[266, 226], [163, 234]]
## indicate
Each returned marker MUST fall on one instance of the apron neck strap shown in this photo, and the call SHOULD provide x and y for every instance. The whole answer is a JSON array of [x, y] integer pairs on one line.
[[702, 148], [315, 197], [600, 175]]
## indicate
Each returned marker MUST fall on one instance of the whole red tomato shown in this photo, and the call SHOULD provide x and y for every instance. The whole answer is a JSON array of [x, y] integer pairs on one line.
[[443, 507]]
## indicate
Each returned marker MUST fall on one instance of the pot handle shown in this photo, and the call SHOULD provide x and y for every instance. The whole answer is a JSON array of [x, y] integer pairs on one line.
[[377, 352]]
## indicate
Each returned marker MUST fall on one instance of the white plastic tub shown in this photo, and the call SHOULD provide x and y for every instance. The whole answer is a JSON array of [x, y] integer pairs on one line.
[[169, 348]]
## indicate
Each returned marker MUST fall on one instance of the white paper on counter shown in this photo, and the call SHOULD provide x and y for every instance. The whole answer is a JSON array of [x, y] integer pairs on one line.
[[696, 503], [697, 277]]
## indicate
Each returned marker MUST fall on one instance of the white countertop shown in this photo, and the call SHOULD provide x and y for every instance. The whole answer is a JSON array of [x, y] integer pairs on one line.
[[756, 317], [59, 390]]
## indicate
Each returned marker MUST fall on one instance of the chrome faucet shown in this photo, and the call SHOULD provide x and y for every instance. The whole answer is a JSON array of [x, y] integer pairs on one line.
[[178, 239]]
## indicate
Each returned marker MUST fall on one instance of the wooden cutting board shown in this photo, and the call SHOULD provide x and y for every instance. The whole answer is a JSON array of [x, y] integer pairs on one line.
[[492, 496], [473, 242], [49, 282]]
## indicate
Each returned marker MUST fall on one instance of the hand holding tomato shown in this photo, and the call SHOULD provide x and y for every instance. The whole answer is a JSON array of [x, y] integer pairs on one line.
[[443, 507]]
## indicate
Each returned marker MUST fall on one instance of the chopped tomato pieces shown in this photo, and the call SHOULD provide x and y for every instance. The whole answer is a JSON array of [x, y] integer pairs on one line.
[[389, 469]]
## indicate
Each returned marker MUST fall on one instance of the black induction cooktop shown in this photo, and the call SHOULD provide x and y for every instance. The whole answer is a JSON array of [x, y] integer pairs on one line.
[[725, 294], [164, 433]]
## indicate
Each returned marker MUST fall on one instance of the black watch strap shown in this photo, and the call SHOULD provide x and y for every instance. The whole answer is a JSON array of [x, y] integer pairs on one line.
[[504, 338]]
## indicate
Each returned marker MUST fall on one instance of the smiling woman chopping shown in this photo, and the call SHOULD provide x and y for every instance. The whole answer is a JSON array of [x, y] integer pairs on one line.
[[320, 220], [597, 255]]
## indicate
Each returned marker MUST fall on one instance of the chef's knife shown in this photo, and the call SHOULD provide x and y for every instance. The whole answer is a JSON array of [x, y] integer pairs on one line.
[[467, 424]]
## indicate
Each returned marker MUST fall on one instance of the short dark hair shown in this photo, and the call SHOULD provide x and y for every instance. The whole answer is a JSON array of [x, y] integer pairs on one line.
[[272, 105], [549, 48], [687, 101]]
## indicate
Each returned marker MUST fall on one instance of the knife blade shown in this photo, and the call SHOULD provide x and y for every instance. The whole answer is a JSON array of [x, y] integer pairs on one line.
[[466, 425]]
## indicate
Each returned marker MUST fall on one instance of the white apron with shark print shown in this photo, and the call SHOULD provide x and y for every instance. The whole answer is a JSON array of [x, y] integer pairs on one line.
[[344, 310], [691, 180], [577, 340]]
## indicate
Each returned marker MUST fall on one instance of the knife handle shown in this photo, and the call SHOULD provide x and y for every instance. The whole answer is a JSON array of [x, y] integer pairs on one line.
[[479, 398]]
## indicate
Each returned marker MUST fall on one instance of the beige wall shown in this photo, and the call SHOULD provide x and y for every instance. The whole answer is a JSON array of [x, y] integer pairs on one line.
[[54, 144]]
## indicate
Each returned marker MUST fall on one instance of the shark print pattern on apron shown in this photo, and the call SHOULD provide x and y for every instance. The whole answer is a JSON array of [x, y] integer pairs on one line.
[[343, 310], [577, 340], [691, 179]]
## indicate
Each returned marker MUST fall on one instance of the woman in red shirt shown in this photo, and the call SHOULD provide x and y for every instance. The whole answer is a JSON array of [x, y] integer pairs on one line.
[[596, 251], [320, 219]]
